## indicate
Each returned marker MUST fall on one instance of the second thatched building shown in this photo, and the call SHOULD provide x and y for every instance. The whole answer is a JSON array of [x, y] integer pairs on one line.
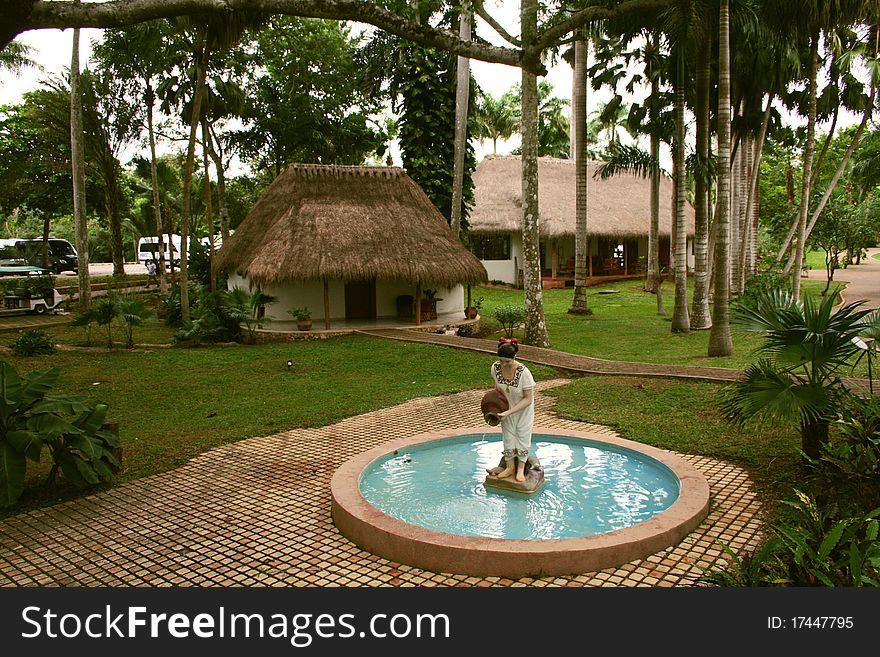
[[350, 243], [618, 220]]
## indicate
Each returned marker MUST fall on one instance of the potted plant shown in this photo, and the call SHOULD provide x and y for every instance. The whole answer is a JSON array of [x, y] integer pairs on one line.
[[429, 304], [303, 317], [471, 312]]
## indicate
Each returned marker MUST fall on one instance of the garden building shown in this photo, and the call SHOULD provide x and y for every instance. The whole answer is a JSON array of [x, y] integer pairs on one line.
[[618, 221], [350, 243]]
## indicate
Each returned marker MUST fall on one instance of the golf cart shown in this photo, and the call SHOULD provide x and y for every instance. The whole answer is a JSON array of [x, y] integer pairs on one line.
[[24, 297]]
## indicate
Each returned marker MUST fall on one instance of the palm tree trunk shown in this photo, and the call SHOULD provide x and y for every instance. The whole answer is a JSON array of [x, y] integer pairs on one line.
[[680, 318], [154, 182], [735, 220], [813, 434], [216, 153], [720, 340], [187, 183], [700, 317], [654, 228], [114, 214], [77, 163], [209, 218], [804, 208], [579, 106], [462, 94], [535, 326]]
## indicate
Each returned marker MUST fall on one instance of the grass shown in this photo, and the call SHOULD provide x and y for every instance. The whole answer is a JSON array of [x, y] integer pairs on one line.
[[625, 326], [683, 416], [175, 403]]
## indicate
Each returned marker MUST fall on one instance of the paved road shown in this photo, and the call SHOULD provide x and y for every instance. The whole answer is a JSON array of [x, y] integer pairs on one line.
[[863, 281], [106, 269]]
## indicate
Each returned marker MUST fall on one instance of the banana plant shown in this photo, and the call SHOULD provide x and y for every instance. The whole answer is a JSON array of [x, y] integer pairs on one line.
[[68, 427]]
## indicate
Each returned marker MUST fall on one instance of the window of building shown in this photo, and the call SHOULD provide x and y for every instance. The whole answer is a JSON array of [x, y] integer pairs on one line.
[[491, 247]]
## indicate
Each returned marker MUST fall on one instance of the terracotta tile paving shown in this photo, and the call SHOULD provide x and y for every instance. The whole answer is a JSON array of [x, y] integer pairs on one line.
[[257, 513]]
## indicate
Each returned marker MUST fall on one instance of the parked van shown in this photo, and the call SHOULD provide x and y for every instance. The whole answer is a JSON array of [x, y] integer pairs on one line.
[[9, 255], [148, 249], [60, 254]]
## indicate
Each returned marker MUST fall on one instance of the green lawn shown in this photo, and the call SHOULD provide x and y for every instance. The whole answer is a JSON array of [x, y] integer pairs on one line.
[[624, 325], [173, 403]]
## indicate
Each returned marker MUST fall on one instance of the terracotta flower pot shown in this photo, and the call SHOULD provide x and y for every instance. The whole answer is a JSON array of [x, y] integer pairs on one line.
[[493, 403]]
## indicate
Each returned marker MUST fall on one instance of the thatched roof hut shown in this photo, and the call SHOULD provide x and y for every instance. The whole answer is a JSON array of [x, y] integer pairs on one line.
[[349, 223], [617, 207]]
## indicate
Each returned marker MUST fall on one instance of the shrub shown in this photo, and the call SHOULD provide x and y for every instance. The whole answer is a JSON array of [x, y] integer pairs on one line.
[[849, 462], [509, 316], [761, 284], [70, 428], [33, 343]]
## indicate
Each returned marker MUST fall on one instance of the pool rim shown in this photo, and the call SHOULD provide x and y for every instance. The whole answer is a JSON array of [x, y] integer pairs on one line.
[[440, 552]]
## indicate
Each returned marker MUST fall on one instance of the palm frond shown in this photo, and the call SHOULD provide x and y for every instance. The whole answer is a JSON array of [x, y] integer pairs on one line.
[[623, 158]]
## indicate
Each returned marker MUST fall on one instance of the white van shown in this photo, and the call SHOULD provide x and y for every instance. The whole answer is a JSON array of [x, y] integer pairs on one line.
[[148, 248]]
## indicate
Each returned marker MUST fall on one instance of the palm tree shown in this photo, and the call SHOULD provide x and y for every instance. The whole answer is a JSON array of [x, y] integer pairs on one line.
[[579, 101], [208, 36], [462, 96], [77, 167], [138, 53], [497, 118], [720, 339], [15, 56], [807, 345], [535, 325]]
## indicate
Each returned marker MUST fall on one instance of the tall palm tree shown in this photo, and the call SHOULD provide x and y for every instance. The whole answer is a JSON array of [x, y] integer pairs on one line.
[[535, 325], [807, 346], [138, 53], [720, 339], [78, 166], [579, 102], [497, 118], [207, 37], [462, 95]]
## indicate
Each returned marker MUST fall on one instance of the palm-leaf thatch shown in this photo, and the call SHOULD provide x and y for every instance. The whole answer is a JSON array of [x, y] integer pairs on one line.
[[616, 207], [349, 223]]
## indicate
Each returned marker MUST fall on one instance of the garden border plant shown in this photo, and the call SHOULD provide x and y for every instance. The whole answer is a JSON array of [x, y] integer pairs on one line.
[[68, 427]]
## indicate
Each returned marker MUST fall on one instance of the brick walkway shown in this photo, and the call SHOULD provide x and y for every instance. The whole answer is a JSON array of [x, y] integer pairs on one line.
[[257, 513]]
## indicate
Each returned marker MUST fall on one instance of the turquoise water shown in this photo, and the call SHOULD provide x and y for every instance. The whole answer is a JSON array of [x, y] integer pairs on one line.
[[590, 488]]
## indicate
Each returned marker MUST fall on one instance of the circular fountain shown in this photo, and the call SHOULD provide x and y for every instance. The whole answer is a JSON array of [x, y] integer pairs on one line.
[[423, 502]]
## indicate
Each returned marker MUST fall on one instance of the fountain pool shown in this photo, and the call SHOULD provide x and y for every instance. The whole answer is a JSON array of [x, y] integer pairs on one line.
[[606, 501]]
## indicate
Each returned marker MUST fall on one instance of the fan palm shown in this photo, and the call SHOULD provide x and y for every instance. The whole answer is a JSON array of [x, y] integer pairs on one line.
[[807, 344]]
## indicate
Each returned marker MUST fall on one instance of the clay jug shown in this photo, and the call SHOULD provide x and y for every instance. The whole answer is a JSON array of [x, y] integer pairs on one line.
[[493, 403]]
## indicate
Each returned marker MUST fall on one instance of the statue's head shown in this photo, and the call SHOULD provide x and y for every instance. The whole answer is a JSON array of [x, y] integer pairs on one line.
[[507, 348]]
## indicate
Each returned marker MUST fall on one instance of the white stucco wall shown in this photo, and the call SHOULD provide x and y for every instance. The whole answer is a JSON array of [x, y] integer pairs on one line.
[[311, 294]]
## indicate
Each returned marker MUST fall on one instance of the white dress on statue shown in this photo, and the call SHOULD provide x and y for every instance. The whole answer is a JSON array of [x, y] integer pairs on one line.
[[516, 429]]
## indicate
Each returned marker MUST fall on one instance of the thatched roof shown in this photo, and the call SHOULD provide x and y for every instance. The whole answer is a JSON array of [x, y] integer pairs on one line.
[[618, 206], [350, 223]]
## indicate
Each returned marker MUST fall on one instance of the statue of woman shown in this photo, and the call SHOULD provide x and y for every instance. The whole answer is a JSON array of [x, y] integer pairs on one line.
[[516, 383]]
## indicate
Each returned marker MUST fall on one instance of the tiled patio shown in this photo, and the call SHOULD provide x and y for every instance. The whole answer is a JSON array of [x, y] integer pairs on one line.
[[257, 513]]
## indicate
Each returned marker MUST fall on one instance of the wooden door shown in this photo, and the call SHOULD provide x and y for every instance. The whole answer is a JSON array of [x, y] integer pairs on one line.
[[360, 299]]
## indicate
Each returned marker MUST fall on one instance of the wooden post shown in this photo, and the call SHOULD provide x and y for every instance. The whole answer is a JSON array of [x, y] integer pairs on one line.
[[590, 255], [418, 303], [469, 296], [326, 304]]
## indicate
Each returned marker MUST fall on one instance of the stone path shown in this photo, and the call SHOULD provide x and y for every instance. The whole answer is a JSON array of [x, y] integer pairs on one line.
[[257, 513]]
